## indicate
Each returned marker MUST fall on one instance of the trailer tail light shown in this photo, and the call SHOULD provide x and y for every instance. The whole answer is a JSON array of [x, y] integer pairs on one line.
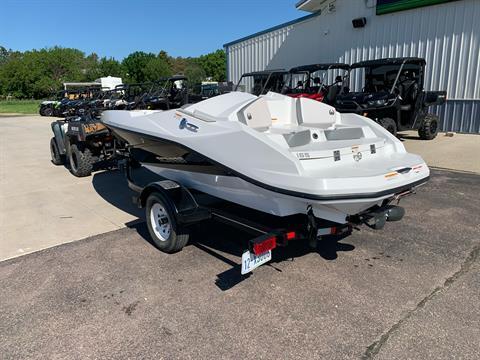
[[263, 245], [290, 235]]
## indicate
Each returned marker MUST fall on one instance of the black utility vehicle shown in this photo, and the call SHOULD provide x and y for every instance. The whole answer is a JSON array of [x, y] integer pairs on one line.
[[393, 95], [261, 82], [168, 93]]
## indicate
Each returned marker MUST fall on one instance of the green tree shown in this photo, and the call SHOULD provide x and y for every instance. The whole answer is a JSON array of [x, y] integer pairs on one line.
[[157, 68], [110, 67], [135, 65], [179, 64], [214, 65], [194, 73], [38, 73], [4, 55]]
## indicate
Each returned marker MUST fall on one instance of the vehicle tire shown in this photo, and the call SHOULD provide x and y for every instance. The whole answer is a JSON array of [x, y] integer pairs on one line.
[[429, 128], [81, 162], [41, 111], [57, 158], [389, 124], [48, 111], [166, 234]]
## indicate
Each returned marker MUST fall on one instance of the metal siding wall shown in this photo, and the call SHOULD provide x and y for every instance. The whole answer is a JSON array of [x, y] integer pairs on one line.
[[254, 54], [459, 116], [446, 35]]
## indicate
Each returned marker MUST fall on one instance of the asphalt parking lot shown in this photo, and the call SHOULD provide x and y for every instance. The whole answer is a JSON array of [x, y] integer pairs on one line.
[[409, 291]]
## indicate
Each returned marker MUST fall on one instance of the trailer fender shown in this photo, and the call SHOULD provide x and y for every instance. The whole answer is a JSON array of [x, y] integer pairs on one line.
[[179, 199]]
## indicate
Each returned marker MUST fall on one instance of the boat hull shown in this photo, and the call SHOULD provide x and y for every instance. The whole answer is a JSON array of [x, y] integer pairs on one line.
[[236, 190], [176, 162]]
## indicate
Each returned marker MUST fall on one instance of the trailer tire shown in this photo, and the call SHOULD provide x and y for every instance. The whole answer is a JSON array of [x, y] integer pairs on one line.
[[57, 158], [429, 128], [389, 124], [81, 161], [164, 230]]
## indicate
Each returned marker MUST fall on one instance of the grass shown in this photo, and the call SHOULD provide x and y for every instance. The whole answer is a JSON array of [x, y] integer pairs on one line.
[[19, 106]]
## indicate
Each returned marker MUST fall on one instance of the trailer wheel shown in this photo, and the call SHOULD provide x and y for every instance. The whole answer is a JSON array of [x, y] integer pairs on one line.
[[57, 158], [429, 128], [389, 124], [166, 234], [81, 162]]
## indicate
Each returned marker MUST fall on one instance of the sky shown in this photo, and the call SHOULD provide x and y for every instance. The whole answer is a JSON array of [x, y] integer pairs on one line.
[[119, 27]]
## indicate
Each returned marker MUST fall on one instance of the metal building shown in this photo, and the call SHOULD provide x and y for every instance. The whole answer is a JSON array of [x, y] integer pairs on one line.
[[446, 34]]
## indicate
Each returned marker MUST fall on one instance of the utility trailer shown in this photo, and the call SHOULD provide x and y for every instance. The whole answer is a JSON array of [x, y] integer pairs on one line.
[[171, 209]]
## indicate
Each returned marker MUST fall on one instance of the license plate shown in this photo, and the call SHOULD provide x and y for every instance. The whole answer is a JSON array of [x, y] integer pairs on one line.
[[251, 261]]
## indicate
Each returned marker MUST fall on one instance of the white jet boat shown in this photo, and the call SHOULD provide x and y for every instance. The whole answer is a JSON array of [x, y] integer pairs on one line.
[[276, 154]]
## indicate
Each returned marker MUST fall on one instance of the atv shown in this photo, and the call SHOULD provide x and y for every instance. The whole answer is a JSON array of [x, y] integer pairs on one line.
[[321, 82], [82, 142], [393, 95]]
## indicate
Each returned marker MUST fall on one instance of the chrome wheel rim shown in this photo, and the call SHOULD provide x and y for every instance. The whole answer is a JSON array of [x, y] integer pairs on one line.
[[160, 222]]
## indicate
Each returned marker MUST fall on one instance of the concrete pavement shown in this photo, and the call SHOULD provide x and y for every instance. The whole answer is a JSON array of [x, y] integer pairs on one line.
[[458, 152], [408, 292], [43, 205]]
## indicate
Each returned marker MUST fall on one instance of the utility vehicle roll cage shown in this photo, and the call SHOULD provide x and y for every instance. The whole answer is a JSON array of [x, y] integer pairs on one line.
[[395, 62], [308, 70], [264, 81]]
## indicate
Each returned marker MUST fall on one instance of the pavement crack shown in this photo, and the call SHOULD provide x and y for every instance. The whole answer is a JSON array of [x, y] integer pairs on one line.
[[374, 348]]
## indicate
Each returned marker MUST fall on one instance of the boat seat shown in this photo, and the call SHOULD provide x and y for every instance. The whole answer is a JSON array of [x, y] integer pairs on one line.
[[256, 115], [309, 113]]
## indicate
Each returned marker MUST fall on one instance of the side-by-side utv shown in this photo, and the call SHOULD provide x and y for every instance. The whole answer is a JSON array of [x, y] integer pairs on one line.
[[260, 82], [393, 94], [82, 142], [168, 93], [321, 82]]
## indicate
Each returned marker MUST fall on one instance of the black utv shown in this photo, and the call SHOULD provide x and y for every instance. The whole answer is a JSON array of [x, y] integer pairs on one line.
[[261, 82], [393, 95]]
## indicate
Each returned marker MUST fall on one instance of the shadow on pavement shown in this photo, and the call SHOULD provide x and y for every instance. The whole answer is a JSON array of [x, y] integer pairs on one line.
[[112, 186], [230, 241], [403, 137]]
